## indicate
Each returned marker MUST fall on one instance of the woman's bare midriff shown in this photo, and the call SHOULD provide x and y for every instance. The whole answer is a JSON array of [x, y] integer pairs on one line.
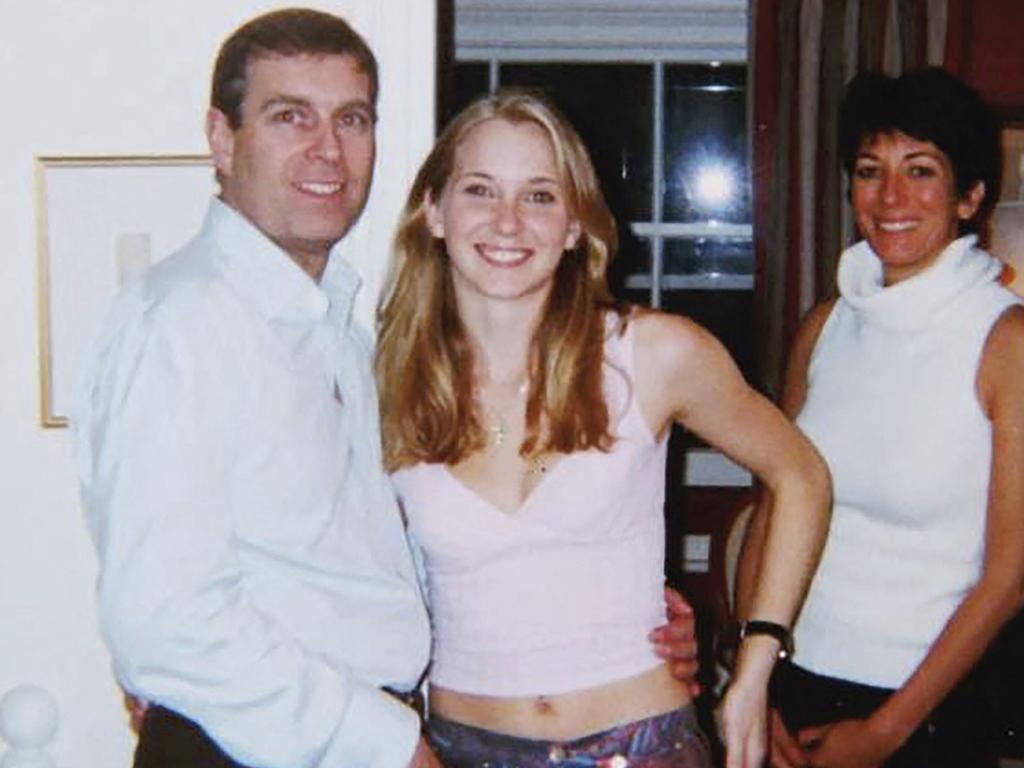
[[565, 716]]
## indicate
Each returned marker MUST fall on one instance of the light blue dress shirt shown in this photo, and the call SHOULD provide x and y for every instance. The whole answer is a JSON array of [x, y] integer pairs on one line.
[[254, 571]]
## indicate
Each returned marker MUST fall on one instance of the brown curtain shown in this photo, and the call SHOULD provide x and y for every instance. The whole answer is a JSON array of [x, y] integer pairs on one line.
[[803, 54], [984, 48]]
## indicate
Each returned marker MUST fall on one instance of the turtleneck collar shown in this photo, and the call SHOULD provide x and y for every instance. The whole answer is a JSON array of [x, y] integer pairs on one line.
[[912, 303]]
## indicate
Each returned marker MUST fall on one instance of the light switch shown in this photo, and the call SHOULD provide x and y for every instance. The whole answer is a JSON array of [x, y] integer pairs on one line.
[[697, 546]]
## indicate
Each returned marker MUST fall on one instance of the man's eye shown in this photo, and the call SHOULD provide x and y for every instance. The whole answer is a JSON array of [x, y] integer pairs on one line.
[[355, 121], [287, 116]]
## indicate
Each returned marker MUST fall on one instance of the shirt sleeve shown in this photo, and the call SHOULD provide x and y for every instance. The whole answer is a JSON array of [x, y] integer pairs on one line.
[[154, 423], [418, 559]]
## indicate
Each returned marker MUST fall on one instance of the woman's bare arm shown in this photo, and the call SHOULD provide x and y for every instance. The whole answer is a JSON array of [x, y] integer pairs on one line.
[[794, 391], [684, 375]]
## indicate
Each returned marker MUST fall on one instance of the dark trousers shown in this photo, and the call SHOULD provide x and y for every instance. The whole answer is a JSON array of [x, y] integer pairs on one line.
[[954, 735], [168, 740]]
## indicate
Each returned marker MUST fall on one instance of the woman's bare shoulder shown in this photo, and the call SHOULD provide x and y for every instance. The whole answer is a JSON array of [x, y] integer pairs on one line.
[[679, 366], [809, 330], [670, 338], [794, 383], [1002, 363]]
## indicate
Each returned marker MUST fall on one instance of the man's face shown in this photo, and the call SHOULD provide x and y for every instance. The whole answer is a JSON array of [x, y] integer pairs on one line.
[[300, 163]]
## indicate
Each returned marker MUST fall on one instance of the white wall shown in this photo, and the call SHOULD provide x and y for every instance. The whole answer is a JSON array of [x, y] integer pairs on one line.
[[127, 77]]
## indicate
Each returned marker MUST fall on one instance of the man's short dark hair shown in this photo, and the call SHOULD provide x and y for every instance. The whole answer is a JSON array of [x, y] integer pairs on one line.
[[288, 32], [929, 105]]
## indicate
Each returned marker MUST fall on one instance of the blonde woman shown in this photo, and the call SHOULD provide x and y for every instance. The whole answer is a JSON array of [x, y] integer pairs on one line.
[[525, 418]]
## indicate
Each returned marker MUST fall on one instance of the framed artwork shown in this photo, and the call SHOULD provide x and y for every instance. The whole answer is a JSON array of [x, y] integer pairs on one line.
[[1012, 190], [1008, 218], [102, 221]]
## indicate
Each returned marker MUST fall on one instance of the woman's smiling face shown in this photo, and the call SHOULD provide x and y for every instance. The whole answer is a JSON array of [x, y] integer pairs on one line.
[[504, 213], [904, 196]]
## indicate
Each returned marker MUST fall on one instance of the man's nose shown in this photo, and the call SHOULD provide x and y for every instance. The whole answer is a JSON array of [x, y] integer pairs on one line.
[[326, 142]]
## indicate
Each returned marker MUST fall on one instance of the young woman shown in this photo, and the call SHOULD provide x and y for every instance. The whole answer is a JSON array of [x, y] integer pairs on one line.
[[910, 385], [526, 419]]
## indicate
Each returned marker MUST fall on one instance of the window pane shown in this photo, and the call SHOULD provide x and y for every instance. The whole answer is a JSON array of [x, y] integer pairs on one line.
[[616, 129], [471, 80], [630, 272], [706, 169], [709, 257]]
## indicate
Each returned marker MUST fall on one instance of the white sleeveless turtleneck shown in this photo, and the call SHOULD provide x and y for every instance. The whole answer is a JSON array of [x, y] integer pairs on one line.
[[892, 406]]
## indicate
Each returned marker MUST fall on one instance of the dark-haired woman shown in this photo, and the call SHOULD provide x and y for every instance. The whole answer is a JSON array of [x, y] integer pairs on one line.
[[911, 384]]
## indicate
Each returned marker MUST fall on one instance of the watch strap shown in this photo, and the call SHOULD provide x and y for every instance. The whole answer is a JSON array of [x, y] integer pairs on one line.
[[772, 629]]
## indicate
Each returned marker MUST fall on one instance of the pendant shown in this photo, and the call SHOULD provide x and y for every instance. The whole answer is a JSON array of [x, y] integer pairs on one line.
[[498, 432]]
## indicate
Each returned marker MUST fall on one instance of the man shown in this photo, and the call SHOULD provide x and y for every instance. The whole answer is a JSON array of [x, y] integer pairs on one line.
[[256, 586]]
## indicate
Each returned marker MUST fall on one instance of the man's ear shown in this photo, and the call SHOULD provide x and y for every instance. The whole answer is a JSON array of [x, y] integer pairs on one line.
[[435, 219], [221, 138], [968, 204]]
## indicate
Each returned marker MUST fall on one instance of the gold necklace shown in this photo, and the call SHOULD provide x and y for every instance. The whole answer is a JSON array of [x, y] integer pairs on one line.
[[499, 429]]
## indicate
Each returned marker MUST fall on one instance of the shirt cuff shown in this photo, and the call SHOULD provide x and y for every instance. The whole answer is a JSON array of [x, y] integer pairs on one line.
[[377, 731]]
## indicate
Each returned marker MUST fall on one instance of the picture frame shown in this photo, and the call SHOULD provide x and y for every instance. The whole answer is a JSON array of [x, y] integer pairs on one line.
[[1007, 230], [101, 221], [1012, 187]]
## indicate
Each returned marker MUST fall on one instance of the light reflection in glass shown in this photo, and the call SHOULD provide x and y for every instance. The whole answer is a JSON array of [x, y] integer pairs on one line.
[[714, 186]]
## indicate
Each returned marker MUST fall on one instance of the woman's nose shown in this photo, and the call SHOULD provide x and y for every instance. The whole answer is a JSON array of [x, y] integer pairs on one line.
[[506, 216]]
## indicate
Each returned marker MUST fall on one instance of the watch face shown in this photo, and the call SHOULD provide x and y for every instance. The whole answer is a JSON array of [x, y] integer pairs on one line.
[[772, 629]]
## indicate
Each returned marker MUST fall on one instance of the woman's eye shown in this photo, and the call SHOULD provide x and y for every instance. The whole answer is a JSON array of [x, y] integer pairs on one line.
[[542, 196], [866, 172], [477, 190], [921, 171]]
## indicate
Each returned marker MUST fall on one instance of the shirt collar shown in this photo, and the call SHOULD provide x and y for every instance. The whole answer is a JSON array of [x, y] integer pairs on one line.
[[260, 270]]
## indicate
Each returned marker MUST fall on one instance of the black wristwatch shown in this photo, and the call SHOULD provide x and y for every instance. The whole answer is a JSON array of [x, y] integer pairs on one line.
[[770, 628]]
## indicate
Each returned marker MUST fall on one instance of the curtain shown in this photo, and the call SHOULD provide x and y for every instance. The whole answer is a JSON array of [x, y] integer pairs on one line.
[[984, 48], [803, 54]]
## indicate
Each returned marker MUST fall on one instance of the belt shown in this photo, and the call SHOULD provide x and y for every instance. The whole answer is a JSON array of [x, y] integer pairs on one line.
[[412, 699]]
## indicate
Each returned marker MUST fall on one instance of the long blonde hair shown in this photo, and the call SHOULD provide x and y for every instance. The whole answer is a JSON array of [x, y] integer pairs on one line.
[[424, 361]]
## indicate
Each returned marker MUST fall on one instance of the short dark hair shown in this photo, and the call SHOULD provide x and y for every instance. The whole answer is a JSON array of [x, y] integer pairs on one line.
[[288, 32], [929, 105]]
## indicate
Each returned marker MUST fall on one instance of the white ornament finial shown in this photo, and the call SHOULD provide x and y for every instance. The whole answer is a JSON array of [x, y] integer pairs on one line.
[[28, 722]]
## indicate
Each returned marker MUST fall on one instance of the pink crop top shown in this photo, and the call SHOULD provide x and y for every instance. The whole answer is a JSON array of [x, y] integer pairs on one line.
[[561, 595]]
